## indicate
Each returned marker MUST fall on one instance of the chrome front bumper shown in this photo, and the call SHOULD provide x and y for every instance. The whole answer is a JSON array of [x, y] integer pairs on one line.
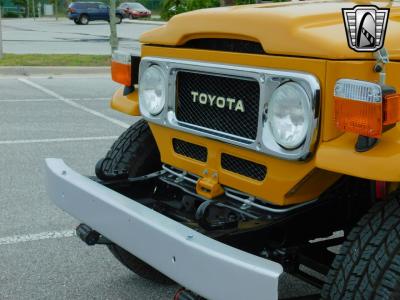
[[205, 266]]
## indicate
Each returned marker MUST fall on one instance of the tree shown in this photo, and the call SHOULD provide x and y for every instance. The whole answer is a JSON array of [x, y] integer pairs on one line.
[[55, 5], [22, 3], [174, 7], [1, 35], [113, 27]]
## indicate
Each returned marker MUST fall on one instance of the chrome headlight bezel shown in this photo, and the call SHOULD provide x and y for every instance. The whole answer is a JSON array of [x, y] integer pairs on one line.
[[144, 107], [269, 80], [294, 92]]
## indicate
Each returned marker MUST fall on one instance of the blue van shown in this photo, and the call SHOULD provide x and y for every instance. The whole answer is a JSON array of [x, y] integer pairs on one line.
[[83, 12]]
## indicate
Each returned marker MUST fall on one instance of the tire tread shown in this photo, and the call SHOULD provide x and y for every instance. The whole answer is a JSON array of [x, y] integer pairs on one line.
[[369, 258], [134, 153]]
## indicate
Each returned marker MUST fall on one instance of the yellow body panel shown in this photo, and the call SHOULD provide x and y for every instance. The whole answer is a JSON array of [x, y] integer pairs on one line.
[[306, 28], [380, 163], [128, 104], [284, 183], [287, 182]]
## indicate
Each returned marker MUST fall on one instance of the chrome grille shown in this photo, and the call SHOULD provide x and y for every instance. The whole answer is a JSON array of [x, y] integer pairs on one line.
[[228, 118], [238, 128]]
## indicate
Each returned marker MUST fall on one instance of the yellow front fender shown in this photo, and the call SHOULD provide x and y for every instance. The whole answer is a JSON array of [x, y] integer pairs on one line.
[[128, 104], [381, 163]]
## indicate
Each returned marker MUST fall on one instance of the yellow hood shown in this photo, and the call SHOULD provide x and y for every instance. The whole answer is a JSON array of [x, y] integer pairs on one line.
[[308, 29]]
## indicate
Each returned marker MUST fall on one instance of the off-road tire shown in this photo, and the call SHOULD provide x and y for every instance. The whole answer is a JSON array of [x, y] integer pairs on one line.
[[368, 265], [138, 266], [134, 153]]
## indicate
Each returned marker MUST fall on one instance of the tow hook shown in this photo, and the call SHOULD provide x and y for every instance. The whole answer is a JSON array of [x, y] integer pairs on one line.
[[90, 236], [184, 294]]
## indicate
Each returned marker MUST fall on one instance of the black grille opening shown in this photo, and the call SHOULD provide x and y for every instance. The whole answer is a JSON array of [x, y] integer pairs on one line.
[[190, 150], [243, 167], [226, 104], [230, 45]]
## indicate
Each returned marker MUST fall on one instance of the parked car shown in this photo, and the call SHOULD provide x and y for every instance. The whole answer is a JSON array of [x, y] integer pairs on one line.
[[134, 10], [83, 12]]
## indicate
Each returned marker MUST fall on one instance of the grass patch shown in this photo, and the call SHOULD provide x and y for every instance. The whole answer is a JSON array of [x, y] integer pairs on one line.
[[41, 60], [158, 18]]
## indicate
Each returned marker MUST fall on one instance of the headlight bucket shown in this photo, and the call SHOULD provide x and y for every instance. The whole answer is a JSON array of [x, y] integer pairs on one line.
[[152, 91], [288, 115]]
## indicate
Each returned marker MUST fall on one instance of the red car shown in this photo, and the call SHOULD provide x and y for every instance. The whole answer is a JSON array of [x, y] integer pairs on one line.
[[134, 10]]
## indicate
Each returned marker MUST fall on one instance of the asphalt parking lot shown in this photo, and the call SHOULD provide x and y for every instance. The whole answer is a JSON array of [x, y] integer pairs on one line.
[[48, 36], [40, 256]]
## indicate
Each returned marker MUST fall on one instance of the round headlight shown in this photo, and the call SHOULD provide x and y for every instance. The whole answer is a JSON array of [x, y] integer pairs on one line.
[[152, 91], [288, 115]]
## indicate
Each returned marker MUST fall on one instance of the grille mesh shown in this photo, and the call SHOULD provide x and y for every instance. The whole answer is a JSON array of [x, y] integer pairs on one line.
[[190, 150], [227, 118], [243, 167]]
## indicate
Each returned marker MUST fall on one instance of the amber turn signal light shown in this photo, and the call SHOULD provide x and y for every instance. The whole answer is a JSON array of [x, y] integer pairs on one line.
[[364, 107], [121, 70], [359, 117], [391, 109]]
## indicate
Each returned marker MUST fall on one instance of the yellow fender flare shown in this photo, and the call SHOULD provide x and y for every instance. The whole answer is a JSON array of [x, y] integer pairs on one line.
[[381, 163], [128, 104]]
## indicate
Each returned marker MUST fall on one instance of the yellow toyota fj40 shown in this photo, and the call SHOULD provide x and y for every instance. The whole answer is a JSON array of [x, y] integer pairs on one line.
[[265, 141]]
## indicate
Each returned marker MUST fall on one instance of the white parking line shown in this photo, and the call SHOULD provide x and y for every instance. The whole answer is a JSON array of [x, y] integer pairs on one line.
[[36, 237], [51, 100], [72, 103], [77, 139]]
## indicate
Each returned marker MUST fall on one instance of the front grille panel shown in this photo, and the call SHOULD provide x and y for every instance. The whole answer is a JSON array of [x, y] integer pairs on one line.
[[243, 167], [228, 116], [190, 150]]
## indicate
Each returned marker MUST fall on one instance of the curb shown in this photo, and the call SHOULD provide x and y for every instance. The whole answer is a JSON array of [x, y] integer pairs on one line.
[[145, 22], [27, 71]]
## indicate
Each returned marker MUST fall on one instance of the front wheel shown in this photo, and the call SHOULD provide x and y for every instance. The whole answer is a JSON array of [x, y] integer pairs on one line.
[[119, 19], [368, 265], [84, 20], [76, 21], [134, 153], [138, 266]]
